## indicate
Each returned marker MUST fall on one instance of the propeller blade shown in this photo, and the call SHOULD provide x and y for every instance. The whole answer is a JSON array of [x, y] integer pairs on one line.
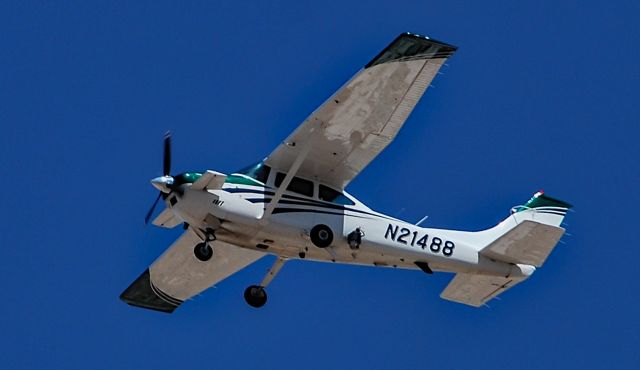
[[166, 162], [153, 207]]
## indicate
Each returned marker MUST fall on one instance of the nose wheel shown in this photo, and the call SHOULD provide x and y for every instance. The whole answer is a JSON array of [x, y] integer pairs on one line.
[[203, 251]]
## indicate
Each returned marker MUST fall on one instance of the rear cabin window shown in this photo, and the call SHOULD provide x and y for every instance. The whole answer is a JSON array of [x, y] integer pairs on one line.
[[259, 171], [329, 195], [297, 185]]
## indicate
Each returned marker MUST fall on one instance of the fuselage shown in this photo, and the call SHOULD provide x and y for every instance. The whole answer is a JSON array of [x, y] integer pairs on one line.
[[236, 212]]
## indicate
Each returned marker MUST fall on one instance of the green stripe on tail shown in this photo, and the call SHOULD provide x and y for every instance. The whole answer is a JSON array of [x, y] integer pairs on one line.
[[540, 199]]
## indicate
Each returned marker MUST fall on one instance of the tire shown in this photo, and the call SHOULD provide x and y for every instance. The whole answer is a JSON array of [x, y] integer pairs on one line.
[[255, 296], [321, 236], [203, 252]]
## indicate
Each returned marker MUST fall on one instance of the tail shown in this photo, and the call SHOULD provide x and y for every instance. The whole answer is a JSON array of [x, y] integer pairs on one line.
[[528, 235], [525, 239], [543, 209]]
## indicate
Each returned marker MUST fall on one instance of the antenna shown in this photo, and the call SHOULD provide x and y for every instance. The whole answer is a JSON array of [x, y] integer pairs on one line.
[[422, 220]]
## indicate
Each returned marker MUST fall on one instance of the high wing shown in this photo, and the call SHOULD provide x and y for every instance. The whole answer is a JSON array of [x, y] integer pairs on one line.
[[178, 275], [355, 124]]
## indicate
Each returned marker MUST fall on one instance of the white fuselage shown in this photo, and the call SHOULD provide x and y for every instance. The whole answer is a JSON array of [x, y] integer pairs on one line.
[[237, 210]]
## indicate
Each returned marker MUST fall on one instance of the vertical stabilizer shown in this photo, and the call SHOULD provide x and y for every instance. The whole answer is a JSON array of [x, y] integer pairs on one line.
[[543, 209], [540, 209]]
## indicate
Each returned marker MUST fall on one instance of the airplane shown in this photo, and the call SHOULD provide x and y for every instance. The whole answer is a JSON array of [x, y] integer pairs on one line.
[[293, 204]]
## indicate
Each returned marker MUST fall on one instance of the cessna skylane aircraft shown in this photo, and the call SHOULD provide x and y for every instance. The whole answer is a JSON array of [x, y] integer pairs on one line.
[[293, 204]]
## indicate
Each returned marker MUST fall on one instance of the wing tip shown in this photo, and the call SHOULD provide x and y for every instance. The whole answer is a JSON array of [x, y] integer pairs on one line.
[[142, 293], [410, 45], [422, 37]]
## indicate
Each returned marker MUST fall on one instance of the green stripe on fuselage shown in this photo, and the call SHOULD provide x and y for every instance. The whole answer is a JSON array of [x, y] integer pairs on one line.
[[241, 180]]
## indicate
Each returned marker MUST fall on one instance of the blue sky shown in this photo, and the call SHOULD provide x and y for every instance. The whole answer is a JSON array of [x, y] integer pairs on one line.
[[539, 95]]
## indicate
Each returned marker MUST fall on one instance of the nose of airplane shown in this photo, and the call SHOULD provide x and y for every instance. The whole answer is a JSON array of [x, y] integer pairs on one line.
[[163, 183]]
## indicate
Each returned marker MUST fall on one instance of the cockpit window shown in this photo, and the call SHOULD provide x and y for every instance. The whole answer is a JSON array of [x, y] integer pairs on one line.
[[258, 171], [297, 185], [333, 196]]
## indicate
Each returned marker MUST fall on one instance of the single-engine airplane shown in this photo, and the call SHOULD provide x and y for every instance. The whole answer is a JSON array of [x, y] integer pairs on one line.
[[293, 204]]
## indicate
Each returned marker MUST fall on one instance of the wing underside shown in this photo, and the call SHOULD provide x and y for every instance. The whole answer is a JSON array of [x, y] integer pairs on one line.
[[364, 116], [178, 275]]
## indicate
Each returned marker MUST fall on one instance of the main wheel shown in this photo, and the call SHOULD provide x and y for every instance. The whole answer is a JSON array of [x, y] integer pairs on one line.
[[321, 236], [255, 296], [203, 251]]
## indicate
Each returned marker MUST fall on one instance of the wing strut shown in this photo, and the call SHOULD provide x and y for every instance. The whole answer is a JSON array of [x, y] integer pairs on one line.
[[273, 271], [306, 148]]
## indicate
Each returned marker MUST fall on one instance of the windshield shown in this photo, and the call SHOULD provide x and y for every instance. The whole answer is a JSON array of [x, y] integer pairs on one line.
[[258, 171]]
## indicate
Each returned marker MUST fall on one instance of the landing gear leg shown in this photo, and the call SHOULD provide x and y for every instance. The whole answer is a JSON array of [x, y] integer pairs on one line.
[[255, 295], [203, 251]]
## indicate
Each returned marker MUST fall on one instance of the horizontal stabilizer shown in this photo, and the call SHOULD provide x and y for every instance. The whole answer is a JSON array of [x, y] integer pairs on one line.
[[528, 243], [476, 290]]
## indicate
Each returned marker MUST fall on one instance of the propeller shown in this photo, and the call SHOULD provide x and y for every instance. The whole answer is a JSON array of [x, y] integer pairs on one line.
[[166, 158], [153, 208], [163, 183]]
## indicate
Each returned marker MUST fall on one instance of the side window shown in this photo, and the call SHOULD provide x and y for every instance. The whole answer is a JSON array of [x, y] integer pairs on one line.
[[297, 185], [329, 195], [279, 179]]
